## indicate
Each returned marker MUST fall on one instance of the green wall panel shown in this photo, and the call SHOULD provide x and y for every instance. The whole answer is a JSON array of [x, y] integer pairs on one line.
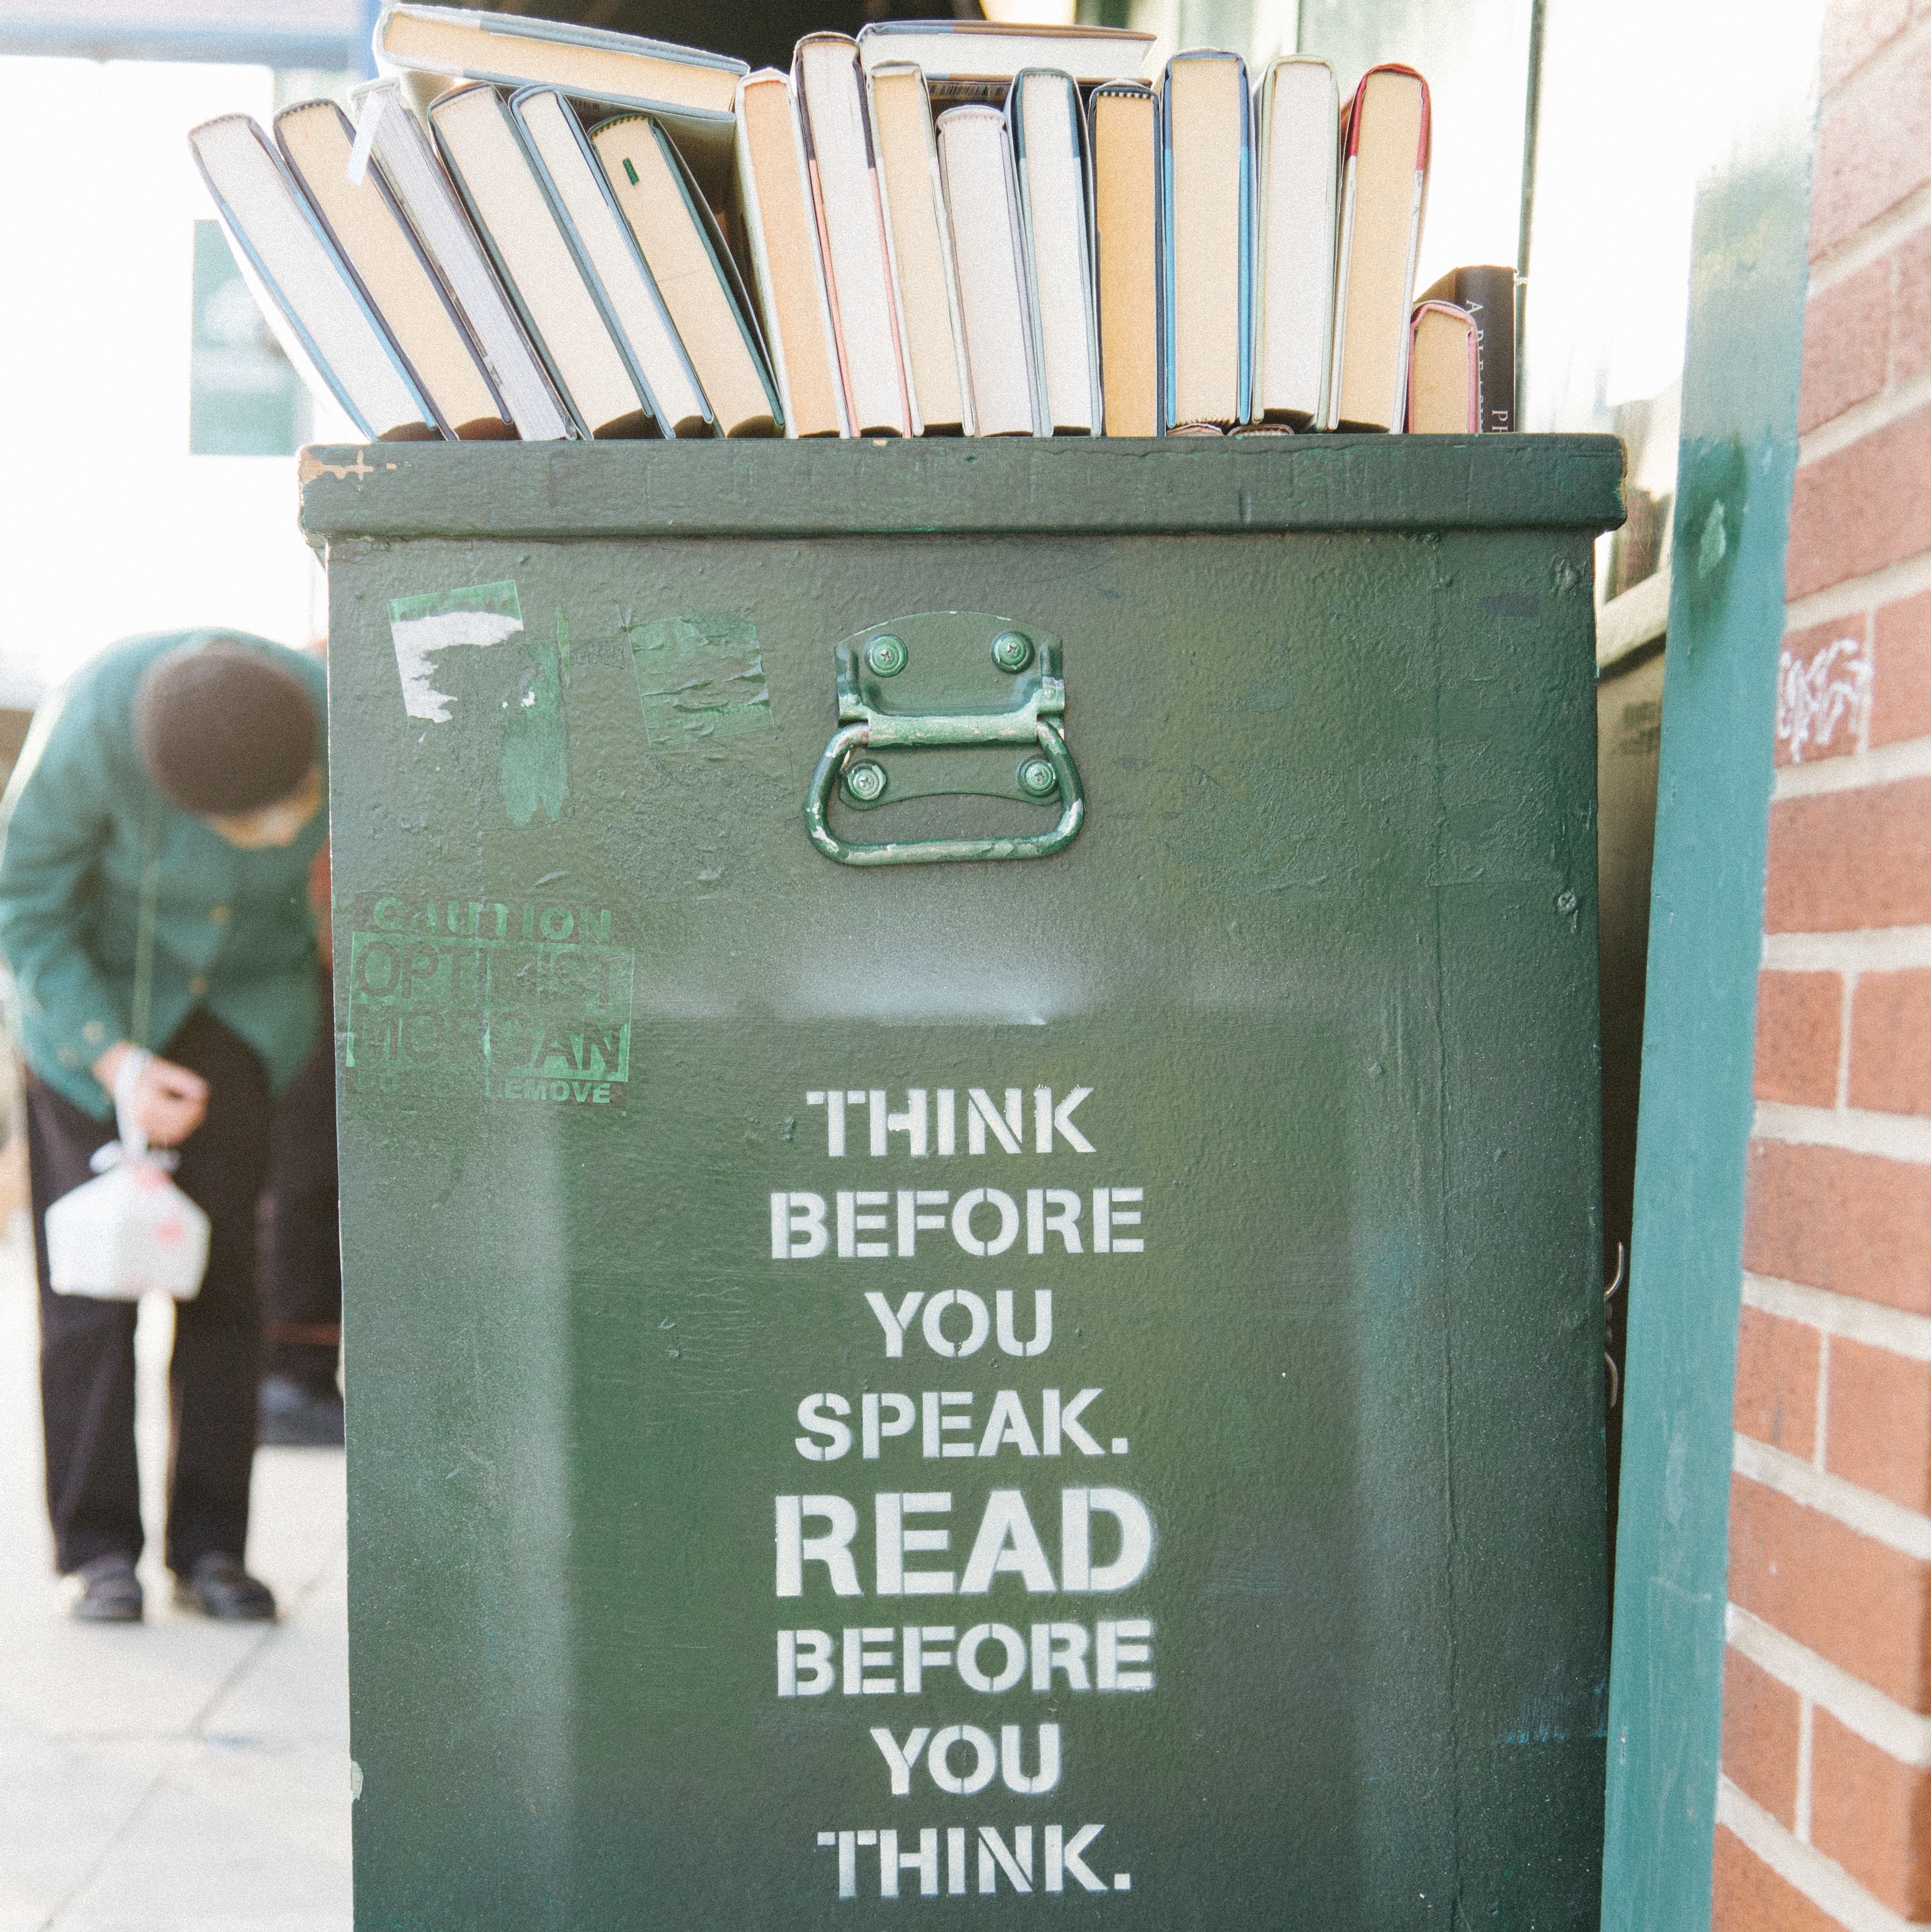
[[1739, 450]]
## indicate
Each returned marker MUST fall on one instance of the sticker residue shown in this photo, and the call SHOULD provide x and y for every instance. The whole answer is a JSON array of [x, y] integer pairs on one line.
[[419, 627], [534, 769], [700, 677]]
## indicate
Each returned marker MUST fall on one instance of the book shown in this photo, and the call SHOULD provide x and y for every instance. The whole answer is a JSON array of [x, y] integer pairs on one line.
[[1124, 144], [503, 191], [612, 266], [1488, 292], [1384, 181], [315, 308], [781, 233], [1297, 112], [977, 60], [1444, 371], [1047, 131], [391, 140], [317, 140], [1207, 239], [687, 260], [920, 247], [975, 163], [692, 90], [839, 159]]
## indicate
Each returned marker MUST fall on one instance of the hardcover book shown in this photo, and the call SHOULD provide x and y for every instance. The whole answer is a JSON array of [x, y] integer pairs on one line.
[[1124, 121], [317, 141], [781, 237], [503, 189], [315, 306], [1297, 159], [1207, 239], [921, 245], [394, 145], [1048, 132], [692, 269], [1384, 184]]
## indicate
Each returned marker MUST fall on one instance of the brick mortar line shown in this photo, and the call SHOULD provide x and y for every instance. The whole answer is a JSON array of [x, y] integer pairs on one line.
[[1852, 596], [1868, 949], [1821, 1879], [1865, 417], [1893, 52], [1872, 242], [1905, 1137], [1898, 1733], [1875, 1517], [1844, 1315], [1855, 771]]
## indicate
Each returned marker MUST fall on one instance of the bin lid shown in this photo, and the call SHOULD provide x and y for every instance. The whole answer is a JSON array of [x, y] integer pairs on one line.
[[957, 486]]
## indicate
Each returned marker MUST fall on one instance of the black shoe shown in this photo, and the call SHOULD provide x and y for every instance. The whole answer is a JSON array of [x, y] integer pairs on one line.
[[219, 1587], [294, 1414], [110, 1592]]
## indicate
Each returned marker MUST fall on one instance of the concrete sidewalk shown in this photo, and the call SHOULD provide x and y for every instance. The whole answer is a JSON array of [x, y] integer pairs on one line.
[[176, 1776]]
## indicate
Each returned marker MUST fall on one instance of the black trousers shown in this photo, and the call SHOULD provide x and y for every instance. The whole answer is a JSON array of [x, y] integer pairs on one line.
[[86, 1347], [300, 1251]]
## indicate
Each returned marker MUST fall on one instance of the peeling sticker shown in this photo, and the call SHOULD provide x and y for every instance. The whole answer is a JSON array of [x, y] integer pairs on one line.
[[419, 627], [700, 677]]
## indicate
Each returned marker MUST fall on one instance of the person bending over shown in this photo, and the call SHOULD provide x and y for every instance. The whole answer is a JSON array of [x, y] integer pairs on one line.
[[154, 848]]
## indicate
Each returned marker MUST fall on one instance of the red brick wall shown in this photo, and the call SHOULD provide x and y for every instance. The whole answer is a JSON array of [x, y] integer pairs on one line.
[[1824, 1810]]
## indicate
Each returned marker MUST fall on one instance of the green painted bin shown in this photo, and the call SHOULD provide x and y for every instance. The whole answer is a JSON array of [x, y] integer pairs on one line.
[[969, 1180]]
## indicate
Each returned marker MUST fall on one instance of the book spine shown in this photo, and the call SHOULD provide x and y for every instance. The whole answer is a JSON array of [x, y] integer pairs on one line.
[[807, 178], [884, 190], [1028, 273], [760, 267], [1244, 399], [1344, 247], [1489, 294], [1165, 267], [941, 214]]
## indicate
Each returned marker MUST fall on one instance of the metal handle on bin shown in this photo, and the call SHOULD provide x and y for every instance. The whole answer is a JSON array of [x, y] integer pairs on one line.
[[927, 732]]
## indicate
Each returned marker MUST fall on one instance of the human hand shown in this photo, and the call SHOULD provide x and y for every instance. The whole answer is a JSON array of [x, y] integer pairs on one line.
[[168, 1102]]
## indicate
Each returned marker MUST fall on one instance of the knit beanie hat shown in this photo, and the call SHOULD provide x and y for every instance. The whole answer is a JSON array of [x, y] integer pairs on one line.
[[222, 729]]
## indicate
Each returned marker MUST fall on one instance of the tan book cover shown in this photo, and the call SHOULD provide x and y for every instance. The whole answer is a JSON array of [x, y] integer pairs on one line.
[[921, 246], [1385, 144], [1444, 371], [1126, 202], [781, 232], [317, 139], [657, 200]]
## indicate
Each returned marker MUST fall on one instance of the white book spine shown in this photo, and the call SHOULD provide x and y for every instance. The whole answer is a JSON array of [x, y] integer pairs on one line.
[[834, 357]]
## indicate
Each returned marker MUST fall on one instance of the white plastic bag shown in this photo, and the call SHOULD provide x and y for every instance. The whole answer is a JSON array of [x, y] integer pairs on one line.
[[132, 1231]]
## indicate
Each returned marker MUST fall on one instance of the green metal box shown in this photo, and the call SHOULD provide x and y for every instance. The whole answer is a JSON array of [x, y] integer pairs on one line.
[[1215, 1160]]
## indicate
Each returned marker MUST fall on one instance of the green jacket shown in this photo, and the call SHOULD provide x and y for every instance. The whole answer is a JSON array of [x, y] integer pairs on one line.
[[80, 825]]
